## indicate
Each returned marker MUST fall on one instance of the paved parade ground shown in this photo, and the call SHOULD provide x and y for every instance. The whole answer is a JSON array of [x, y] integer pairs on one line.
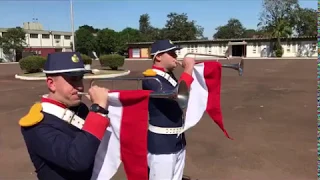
[[270, 112]]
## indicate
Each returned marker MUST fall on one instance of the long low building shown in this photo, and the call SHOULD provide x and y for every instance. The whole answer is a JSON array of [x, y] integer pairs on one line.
[[246, 47], [39, 41]]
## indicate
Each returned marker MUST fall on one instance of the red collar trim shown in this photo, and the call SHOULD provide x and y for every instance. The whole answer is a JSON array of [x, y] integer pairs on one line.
[[44, 99], [159, 68]]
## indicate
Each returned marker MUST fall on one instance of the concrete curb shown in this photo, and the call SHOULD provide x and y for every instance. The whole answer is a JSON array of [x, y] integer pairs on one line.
[[8, 63], [30, 78]]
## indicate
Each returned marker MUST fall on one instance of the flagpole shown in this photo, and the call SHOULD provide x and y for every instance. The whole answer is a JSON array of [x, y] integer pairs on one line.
[[72, 26]]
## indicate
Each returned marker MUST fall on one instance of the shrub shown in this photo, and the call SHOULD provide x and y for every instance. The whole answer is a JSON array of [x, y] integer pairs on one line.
[[114, 61], [32, 64], [86, 59], [277, 49], [279, 52]]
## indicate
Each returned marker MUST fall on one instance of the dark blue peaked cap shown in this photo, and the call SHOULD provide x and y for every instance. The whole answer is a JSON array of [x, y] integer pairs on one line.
[[161, 46], [68, 63]]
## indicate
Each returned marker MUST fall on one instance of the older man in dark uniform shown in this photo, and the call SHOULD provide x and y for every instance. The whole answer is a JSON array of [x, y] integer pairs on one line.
[[61, 133], [166, 158]]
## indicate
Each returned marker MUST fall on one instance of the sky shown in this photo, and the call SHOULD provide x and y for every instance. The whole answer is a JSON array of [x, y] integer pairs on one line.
[[117, 15]]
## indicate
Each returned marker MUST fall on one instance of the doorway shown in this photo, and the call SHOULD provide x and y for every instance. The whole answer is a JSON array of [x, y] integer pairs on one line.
[[238, 49]]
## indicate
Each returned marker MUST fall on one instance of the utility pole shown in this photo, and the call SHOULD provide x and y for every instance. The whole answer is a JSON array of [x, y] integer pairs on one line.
[[72, 26]]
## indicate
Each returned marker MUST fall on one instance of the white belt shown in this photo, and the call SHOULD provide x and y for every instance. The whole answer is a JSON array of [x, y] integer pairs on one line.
[[64, 114], [165, 130]]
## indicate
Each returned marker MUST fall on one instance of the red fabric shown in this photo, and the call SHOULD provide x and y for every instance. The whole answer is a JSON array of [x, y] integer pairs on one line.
[[133, 133], [212, 75], [187, 78], [159, 68], [96, 125]]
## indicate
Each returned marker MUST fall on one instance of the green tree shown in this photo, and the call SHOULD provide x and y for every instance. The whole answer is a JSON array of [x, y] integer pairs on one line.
[[144, 24], [148, 32], [89, 28], [107, 41], [233, 29], [85, 41], [250, 33], [277, 20], [179, 28], [305, 22], [125, 36], [14, 40], [145, 28]]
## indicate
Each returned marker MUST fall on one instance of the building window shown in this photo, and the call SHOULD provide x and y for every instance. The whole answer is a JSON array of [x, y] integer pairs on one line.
[[209, 51], [206, 48], [188, 48], [178, 52], [56, 36], [67, 37], [254, 48], [36, 52], [45, 36], [34, 36], [288, 47], [196, 48], [192, 48]]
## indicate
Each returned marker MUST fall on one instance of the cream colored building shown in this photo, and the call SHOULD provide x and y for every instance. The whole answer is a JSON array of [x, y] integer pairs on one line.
[[41, 42], [246, 47]]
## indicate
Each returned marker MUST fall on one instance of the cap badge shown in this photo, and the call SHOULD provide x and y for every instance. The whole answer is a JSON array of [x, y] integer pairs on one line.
[[75, 58]]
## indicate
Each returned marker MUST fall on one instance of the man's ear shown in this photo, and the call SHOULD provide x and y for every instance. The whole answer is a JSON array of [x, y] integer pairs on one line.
[[51, 83], [158, 57]]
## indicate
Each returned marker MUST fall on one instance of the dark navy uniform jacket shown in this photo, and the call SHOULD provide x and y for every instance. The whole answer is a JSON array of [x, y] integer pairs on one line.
[[60, 151], [165, 113]]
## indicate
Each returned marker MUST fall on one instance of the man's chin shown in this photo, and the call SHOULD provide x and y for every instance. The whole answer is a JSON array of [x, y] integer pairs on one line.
[[172, 68], [75, 103]]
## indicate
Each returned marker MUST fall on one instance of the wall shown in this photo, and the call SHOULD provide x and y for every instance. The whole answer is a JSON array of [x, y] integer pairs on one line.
[[48, 40], [43, 42], [214, 48], [290, 49], [41, 51], [254, 49]]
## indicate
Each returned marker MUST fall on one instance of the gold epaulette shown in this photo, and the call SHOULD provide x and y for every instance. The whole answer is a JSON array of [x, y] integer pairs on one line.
[[149, 72], [33, 117]]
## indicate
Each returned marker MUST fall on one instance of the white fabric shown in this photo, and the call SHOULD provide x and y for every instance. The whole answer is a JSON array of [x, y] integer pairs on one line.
[[167, 166], [109, 143], [166, 76], [197, 105], [164, 130], [198, 98], [63, 114]]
